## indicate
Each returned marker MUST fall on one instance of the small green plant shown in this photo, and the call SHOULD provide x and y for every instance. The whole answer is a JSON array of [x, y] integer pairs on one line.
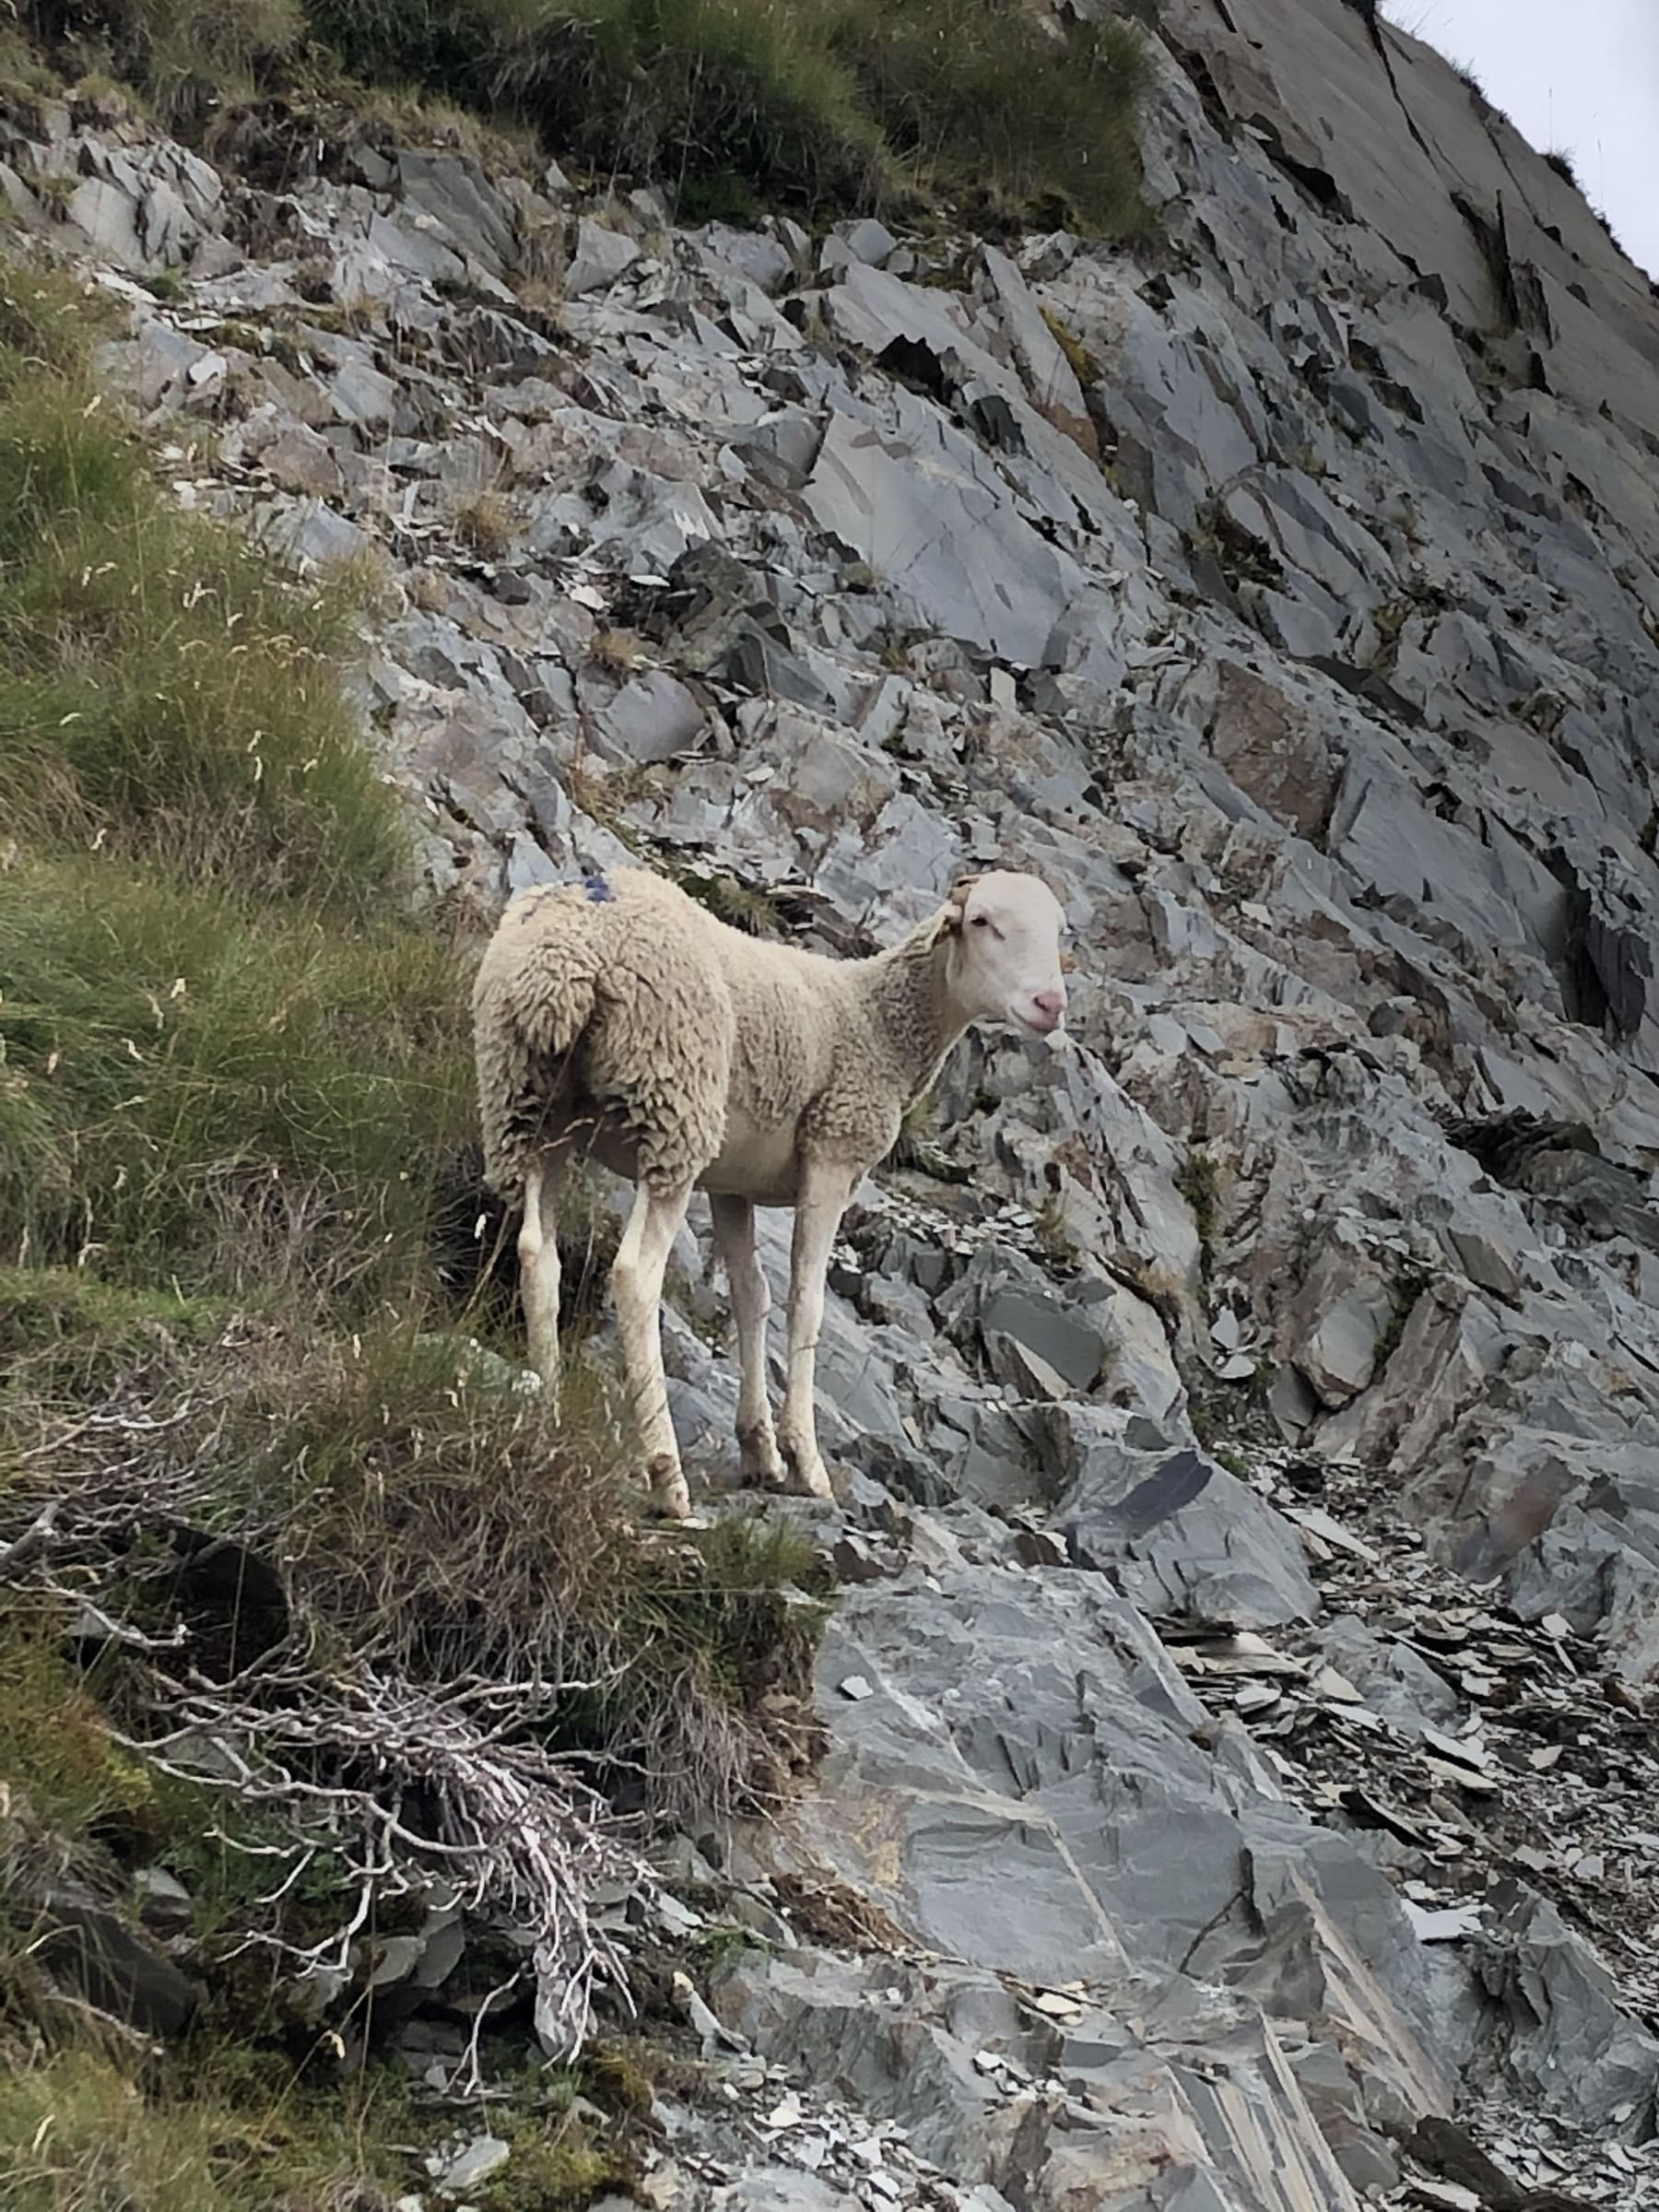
[[165, 283], [54, 188], [1560, 160], [720, 1948], [1407, 1291], [52, 1739], [733, 902], [560, 2162], [1199, 1183], [917, 1148], [1053, 1235], [920, 1117], [606, 791], [1083, 364]]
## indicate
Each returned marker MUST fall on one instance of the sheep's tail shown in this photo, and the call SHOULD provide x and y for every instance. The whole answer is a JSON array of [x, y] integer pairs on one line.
[[559, 1003], [528, 1016]]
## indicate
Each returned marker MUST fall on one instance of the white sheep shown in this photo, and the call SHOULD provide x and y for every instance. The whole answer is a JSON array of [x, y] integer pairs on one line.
[[617, 1017]]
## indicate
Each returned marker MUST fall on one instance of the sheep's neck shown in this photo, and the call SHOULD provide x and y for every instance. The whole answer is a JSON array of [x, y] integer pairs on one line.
[[913, 1009]]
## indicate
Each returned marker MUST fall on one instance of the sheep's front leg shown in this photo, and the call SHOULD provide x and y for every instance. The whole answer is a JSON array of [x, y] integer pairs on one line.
[[637, 1285], [758, 1459], [824, 1192], [538, 1274]]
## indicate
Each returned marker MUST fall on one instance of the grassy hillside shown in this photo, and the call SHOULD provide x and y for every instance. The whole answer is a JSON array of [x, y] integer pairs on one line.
[[303, 1599], [824, 106]]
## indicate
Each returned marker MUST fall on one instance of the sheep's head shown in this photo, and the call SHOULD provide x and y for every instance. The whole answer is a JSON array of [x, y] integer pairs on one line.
[[1003, 932]]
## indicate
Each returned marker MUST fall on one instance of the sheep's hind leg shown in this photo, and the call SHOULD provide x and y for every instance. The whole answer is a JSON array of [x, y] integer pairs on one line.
[[758, 1459], [637, 1283], [823, 1198], [538, 1272]]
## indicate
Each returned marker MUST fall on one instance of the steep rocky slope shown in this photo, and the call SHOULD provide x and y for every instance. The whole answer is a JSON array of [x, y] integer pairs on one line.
[[1237, 1700]]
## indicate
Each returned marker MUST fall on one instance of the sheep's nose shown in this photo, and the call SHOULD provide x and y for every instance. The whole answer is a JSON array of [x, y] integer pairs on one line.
[[1051, 1004]]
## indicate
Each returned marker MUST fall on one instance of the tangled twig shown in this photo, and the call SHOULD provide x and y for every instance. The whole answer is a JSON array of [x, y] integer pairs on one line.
[[512, 1834], [432, 1788]]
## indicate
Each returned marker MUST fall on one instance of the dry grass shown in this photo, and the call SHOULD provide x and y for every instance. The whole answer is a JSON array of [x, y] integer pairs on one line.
[[617, 651], [423, 1518], [487, 525]]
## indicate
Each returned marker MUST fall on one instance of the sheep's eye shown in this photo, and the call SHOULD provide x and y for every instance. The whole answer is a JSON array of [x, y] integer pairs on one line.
[[980, 921]]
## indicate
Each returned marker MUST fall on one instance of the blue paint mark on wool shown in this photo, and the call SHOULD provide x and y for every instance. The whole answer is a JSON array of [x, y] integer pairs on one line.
[[597, 890]]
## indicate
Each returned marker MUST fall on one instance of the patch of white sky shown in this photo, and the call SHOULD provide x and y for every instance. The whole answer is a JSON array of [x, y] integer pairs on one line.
[[1580, 79]]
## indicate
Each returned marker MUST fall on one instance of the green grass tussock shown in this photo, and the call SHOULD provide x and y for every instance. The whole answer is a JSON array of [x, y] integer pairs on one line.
[[67, 1337], [824, 106], [78, 2137], [196, 1086], [973, 100], [231, 1053], [183, 57], [54, 1743], [162, 690]]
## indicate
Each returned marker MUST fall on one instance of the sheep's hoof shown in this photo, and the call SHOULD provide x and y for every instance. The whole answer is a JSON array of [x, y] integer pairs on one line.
[[807, 1477], [670, 1499], [758, 1458]]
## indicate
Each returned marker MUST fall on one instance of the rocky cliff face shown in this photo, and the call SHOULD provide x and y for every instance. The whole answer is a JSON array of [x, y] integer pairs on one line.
[[1237, 1698]]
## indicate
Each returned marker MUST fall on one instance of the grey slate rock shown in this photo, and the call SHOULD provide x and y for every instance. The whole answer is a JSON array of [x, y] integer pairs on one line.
[[781, 2189], [650, 719], [1569, 2044], [97, 1955], [1180, 1533], [599, 256]]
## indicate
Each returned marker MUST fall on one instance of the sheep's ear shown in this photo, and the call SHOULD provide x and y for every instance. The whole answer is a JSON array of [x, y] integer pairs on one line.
[[957, 901]]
